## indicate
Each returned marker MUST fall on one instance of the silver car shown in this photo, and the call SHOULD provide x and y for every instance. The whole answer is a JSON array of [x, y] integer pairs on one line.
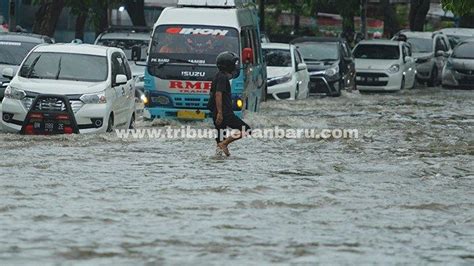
[[459, 71], [431, 51]]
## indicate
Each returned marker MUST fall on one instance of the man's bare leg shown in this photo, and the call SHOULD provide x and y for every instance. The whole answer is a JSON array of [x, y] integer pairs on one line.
[[224, 145]]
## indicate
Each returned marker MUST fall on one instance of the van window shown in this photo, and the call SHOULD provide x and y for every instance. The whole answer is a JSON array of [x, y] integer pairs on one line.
[[118, 65], [256, 46], [299, 59], [246, 39], [128, 70]]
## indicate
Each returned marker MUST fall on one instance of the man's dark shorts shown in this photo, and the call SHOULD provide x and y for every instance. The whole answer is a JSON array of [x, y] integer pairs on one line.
[[230, 121]]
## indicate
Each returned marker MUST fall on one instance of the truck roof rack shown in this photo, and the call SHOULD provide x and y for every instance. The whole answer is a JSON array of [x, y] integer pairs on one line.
[[216, 3]]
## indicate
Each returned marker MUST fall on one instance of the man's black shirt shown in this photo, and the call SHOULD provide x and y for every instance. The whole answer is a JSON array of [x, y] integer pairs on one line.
[[221, 83]]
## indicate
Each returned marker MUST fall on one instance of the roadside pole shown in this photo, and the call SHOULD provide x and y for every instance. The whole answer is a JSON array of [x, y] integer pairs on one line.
[[12, 15], [363, 18]]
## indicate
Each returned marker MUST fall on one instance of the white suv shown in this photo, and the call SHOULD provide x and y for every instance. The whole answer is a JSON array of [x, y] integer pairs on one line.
[[96, 80]]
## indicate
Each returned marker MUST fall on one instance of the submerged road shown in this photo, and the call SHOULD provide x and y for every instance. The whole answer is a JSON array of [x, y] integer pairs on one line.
[[403, 192]]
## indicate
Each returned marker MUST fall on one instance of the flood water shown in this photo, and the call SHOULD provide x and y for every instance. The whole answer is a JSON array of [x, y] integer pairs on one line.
[[403, 192]]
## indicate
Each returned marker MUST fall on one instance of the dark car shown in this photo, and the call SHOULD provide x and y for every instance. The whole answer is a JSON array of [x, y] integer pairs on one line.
[[330, 64], [14, 47]]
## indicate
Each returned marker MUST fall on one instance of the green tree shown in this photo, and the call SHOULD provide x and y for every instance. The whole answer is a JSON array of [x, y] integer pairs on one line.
[[81, 9], [459, 7], [418, 11], [136, 10], [47, 16]]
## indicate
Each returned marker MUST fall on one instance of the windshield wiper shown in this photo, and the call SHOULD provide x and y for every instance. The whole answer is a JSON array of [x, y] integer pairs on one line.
[[32, 67], [59, 68], [177, 60]]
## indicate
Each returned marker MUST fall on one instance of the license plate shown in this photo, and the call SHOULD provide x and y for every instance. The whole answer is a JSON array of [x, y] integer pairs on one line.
[[191, 115]]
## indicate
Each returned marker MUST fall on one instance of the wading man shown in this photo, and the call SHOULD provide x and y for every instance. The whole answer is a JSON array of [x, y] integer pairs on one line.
[[220, 102]]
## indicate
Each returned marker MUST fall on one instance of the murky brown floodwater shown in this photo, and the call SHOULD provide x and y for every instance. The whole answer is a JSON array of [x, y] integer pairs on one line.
[[402, 193]]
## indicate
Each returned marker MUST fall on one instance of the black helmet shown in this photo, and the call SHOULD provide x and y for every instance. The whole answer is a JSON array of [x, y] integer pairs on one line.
[[227, 62]]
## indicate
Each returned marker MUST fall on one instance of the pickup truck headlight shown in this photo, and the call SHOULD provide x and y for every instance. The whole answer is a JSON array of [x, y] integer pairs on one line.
[[394, 69], [94, 98], [332, 71], [14, 93]]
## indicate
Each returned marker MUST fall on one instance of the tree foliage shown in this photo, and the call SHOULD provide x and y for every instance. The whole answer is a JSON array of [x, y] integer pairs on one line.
[[459, 7]]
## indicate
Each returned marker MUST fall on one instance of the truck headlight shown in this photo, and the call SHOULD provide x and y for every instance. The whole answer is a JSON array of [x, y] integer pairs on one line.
[[14, 93], [332, 71], [394, 69], [144, 99], [94, 98]]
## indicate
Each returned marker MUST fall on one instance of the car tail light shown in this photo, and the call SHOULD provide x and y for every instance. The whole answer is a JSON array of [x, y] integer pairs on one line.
[[62, 117], [68, 130], [36, 116], [29, 130]]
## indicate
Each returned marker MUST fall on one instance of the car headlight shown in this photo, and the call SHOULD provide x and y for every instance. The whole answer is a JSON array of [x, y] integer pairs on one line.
[[14, 93], [284, 79], [332, 71], [94, 98], [394, 69]]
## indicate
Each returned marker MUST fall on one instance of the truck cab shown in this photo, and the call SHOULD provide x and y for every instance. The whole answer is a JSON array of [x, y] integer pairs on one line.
[[182, 58]]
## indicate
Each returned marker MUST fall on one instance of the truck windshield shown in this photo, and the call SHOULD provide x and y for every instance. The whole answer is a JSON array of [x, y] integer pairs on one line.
[[62, 66], [178, 49], [12, 53]]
